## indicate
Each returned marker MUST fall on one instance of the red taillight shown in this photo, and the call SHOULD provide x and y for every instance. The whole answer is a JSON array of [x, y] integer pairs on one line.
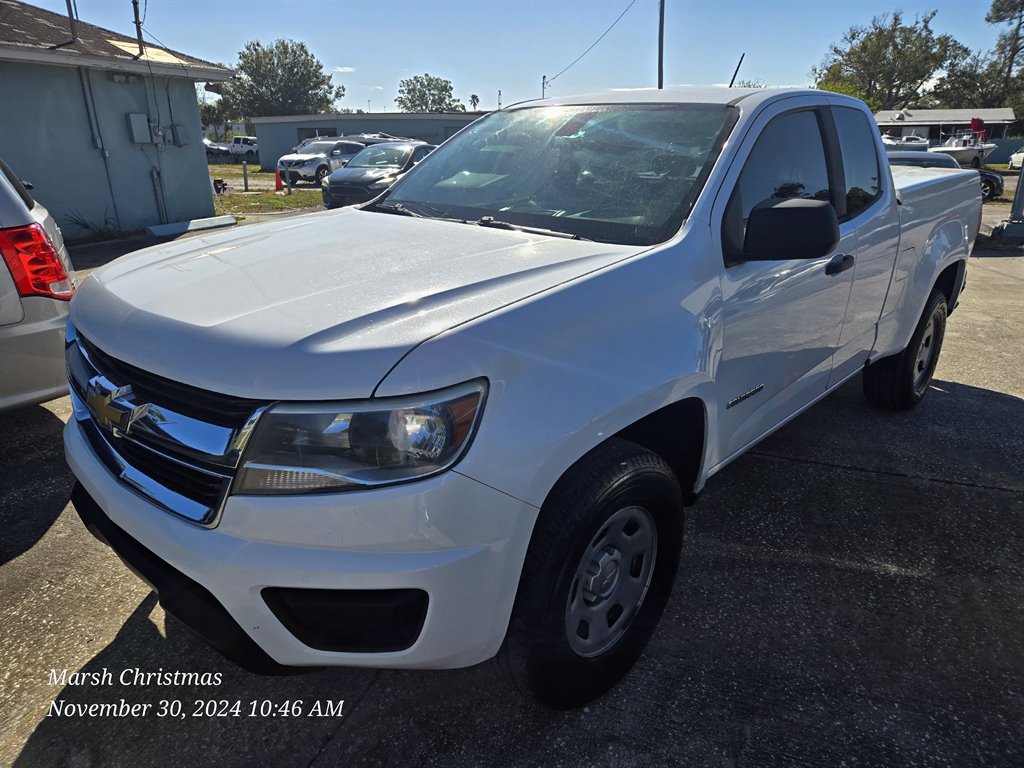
[[34, 264]]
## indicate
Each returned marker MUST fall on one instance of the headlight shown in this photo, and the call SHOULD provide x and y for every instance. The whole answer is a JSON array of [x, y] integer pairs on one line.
[[382, 183], [301, 448]]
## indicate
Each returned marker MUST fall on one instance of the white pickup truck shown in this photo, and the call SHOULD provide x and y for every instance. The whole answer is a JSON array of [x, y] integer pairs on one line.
[[244, 146], [463, 420]]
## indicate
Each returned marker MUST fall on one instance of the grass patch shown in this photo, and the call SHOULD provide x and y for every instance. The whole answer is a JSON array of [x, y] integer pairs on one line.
[[268, 202], [235, 171]]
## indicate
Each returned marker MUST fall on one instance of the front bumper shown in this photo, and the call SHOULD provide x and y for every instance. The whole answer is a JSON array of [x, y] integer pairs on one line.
[[301, 173], [460, 542], [347, 195]]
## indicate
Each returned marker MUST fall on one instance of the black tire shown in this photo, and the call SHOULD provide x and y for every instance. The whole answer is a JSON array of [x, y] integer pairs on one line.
[[619, 487], [250, 153], [899, 382], [321, 173], [988, 191], [976, 162]]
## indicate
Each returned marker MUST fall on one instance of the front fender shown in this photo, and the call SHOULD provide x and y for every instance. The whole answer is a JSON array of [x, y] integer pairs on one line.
[[573, 366]]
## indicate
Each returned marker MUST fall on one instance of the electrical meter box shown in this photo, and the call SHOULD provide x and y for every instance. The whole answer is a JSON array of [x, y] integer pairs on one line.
[[138, 128]]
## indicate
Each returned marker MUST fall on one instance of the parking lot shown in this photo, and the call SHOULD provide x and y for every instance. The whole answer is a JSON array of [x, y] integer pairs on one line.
[[850, 594]]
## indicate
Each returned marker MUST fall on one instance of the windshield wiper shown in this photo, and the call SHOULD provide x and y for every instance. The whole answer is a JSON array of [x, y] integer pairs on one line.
[[404, 209], [490, 221], [397, 208]]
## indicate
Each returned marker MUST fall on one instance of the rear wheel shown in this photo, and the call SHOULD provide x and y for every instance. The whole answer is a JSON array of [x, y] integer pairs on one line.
[[597, 576], [900, 382]]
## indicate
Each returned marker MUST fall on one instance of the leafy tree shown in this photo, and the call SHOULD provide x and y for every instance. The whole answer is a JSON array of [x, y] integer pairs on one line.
[[473, 100], [282, 78], [753, 82], [887, 63], [426, 93], [974, 80], [993, 79], [214, 116], [1011, 41], [849, 89]]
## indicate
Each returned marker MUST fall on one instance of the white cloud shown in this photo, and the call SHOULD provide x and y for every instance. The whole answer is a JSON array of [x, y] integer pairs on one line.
[[344, 70]]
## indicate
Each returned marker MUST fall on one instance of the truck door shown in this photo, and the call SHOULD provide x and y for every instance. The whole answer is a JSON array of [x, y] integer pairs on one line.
[[781, 320], [871, 208]]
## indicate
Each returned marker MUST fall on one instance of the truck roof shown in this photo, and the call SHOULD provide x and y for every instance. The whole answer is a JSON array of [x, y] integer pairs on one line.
[[679, 95]]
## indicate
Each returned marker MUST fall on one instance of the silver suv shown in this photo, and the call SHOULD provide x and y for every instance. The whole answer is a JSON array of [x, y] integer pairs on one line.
[[36, 283]]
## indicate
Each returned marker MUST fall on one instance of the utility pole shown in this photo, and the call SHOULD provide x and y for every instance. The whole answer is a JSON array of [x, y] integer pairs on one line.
[[544, 87], [499, 99], [367, 105], [138, 29], [661, 45]]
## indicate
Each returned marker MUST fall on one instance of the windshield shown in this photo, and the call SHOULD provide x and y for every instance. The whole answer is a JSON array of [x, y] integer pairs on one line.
[[624, 174], [317, 148], [381, 157]]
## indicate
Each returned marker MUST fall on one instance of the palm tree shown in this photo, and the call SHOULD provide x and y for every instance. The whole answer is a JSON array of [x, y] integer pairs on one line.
[[473, 101]]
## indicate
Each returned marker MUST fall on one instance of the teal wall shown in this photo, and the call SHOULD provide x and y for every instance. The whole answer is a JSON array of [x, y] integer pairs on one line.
[[1004, 148], [71, 140], [278, 138]]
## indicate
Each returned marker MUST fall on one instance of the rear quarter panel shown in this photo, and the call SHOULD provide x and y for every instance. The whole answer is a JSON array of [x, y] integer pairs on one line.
[[940, 213]]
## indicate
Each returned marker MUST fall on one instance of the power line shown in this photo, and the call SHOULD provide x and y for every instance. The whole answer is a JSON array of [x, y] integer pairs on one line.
[[551, 79]]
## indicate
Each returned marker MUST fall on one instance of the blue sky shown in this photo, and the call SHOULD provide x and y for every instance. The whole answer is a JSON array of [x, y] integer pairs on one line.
[[486, 45]]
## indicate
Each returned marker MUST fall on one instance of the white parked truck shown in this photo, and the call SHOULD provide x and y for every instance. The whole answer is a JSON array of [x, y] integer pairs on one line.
[[462, 421], [244, 146]]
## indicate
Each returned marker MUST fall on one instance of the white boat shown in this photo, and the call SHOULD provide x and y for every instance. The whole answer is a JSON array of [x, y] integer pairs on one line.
[[966, 148], [903, 143]]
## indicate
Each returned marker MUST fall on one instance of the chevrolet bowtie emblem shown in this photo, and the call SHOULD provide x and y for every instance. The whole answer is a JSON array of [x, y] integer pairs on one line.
[[110, 407]]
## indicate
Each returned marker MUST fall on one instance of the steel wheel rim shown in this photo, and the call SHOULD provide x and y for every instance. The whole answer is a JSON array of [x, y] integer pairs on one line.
[[925, 353], [611, 581]]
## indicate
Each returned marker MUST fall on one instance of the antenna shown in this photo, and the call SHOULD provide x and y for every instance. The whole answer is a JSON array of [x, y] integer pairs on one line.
[[737, 71], [661, 45]]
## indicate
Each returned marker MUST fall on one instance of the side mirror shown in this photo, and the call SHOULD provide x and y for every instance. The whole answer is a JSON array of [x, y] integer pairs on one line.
[[26, 184], [795, 228], [335, 152]]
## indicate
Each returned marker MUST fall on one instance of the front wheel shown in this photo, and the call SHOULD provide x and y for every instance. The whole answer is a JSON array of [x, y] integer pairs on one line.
[[321, 174], [988, 190], [597, 576], [899, 382]]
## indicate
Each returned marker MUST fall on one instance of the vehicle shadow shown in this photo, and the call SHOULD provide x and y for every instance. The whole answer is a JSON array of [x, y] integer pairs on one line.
[[163, 734], [849, 590], [35, 483]]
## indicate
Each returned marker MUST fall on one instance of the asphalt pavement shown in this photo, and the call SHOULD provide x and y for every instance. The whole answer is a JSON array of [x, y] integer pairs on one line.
[[851, 594]]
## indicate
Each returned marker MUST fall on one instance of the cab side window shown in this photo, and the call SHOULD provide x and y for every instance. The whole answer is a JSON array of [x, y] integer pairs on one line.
[[860, 159], [788, 160]]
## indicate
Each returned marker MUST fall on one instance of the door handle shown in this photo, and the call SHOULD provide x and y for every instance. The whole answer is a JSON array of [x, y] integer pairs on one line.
[[840, 263]]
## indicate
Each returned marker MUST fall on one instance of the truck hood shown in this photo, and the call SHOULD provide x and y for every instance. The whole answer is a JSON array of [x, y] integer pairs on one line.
[[318, 307]]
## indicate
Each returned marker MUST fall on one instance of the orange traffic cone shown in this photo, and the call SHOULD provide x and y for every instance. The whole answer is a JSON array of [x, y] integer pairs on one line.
[[278, 186]]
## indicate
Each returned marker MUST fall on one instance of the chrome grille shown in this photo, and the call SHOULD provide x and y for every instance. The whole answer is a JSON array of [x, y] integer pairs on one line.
[[175, 444]]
